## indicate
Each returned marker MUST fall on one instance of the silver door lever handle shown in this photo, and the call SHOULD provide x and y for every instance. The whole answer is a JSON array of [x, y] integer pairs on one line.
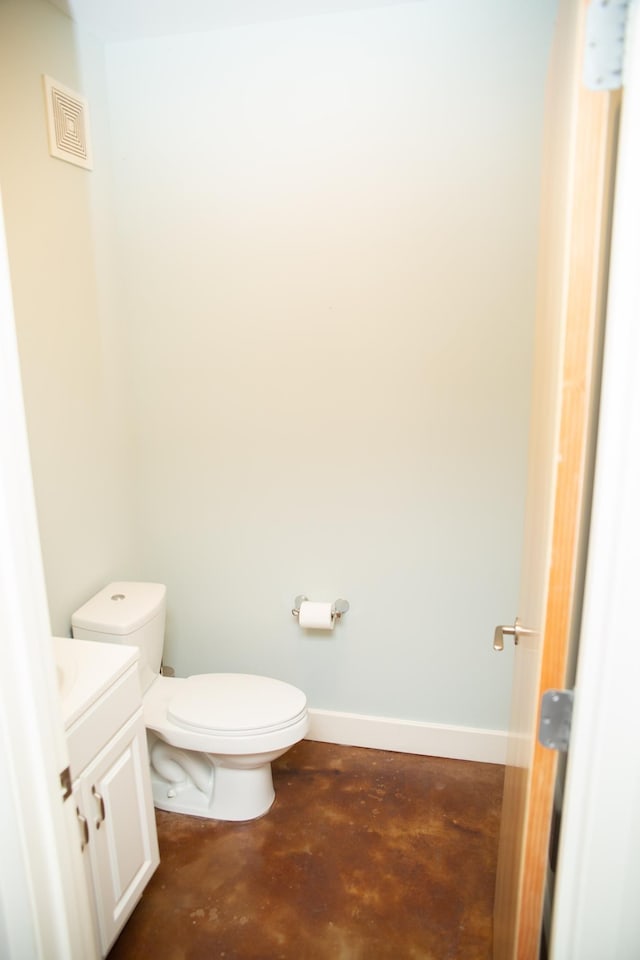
[[516, 631]]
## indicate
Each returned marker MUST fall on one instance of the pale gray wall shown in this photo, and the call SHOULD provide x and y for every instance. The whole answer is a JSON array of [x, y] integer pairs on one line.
[[327, 231], [298, 358], [78, 438]]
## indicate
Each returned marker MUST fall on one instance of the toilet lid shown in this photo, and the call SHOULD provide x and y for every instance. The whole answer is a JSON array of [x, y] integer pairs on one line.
[[238, 704]]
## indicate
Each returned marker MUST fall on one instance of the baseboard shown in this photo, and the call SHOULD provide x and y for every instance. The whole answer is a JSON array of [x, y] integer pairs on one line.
[[408, 736]]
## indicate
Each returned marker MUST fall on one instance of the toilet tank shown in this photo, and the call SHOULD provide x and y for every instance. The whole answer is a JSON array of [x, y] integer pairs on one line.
[[129, 613]]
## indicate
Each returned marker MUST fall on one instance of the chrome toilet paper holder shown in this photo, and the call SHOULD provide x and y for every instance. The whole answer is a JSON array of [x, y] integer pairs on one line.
[[338, 607]]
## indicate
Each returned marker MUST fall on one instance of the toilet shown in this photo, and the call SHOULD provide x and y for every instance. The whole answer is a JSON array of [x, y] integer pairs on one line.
[[212, 737]]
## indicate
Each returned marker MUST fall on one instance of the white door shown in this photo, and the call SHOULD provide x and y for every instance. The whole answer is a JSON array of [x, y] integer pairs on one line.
[[574, 245]]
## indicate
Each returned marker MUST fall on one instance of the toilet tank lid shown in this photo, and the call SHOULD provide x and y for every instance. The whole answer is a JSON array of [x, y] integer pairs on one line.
[[120, 608]]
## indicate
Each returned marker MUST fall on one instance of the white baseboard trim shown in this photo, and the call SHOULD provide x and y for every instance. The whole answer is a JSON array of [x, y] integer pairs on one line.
[[408, 736]]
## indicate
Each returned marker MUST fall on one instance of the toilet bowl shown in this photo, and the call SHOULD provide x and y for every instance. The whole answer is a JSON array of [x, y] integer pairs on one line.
[[212, 737]]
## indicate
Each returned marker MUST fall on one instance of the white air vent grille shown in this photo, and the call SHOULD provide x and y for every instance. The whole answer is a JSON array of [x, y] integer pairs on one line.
[[68, 124]]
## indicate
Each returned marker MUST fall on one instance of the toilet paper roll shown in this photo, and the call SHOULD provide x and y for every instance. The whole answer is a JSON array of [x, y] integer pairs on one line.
[[316, 615]]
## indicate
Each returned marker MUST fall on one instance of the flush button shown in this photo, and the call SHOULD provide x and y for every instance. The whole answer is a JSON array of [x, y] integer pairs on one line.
[[118, 596]]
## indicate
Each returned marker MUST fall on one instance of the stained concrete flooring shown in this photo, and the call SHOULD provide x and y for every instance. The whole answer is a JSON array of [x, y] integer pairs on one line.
[[365, 855]]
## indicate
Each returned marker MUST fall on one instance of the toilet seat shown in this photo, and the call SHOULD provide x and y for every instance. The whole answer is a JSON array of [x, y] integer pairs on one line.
[[236, 704]]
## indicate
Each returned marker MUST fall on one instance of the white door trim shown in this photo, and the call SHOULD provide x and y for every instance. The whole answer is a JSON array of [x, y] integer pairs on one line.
[[598, 879]]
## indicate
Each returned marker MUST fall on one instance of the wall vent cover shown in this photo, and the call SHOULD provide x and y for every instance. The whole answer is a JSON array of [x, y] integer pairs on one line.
[[68, 124]]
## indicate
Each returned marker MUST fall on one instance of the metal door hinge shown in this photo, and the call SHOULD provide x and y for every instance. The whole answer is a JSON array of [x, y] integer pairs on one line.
[[555, 719], [604, 50], [65, 783]]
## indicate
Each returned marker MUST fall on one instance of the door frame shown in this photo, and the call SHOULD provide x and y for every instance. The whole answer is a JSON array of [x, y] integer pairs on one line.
[[577, 199], [595, 911]]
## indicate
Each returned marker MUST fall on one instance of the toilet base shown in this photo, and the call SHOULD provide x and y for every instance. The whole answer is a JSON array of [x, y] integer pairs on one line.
[[207, 774], [235, 788]]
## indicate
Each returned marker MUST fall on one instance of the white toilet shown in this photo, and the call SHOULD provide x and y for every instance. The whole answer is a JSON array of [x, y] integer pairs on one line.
[[212, 736]]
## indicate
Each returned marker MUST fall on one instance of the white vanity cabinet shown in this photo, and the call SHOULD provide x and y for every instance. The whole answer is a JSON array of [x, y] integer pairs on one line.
[[111, 788]]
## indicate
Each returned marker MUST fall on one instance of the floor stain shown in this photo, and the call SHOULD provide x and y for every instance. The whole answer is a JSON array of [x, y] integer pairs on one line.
[[365, 855]]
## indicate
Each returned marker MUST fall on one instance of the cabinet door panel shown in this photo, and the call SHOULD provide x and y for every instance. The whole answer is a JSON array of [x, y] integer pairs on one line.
[[125, 841], [124, 846]]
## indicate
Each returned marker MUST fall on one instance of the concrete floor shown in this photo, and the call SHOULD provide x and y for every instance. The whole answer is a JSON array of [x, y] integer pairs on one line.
[[365, 855]]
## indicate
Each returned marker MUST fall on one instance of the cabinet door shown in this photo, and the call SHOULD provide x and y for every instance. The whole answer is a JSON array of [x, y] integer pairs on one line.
[[116, 790]]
